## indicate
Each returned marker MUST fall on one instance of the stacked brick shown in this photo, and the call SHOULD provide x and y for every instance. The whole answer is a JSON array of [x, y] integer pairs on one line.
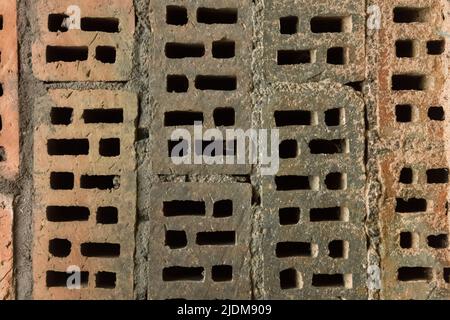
[[412, 107]]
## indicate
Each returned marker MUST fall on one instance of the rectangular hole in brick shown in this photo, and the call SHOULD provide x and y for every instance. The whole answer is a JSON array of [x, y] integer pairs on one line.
[[103, 115], [332, 280], [436, 47], [175, 50], [337, 56], [179, 208], [408, 240], [338, 249], [321, 146], [436, 113], [59, 278], [356, 85], [223, 209], [105, 54], [60, 248], [100, 250], [447, 275], [182, 118], [176, 239], [410, 15], [404, 113], [293, 57], [100, 182], [293, 249], [409, 82], [439, 241], [105, 280], [288, 149], [437, 176], [177, 148], [62, 180], [289, 25], [222, 273], [66, 54], [405, 49], [109, 25], [334, 117], [413, 205], [215, 148], [291, 183], [1, 86], [293, 118], [68, 147], [61, 116], [224, 117], [3, 156], [410, 274], [331, 214], [289, 216], [109, 147], [336, 181], [216, 238], [331, 24], [217, 16], [290, 279], [223, 49], [107, 215], [176, 15], [183, 274], [67, 214], [1, 22], [177, 83], [406, 176], [217, 83], [55, 22], [1, 123]]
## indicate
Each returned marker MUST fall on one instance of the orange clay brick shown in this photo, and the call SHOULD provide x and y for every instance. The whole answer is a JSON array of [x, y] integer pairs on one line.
[[6, 248]]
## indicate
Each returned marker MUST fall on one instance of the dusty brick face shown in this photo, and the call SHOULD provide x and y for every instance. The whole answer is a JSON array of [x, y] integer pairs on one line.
[[85, 202], [412, 106], [314, 207], [100, 51], [200, 72], [309, 40], [9, 108], [200, 241], [6, 248]]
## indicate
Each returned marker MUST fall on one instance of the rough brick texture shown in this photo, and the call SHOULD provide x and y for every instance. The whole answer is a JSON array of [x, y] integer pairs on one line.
[[85, 203], [310, 40], [100, 51], [6, 248], [200, 241], [201, 66], [314, 206], [412, 106], [9, 109]]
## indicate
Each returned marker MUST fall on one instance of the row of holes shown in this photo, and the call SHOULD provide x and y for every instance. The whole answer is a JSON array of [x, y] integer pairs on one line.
[[337, 249], [103, 279], [289, 25], [76, 147], [333, 181], [333, 118], [408, 48], [291, 215], [288, 149], [104, 54], [292, 279], [222, 117], [409, 240], [104, 215], [335, 56], [219, 273], [178, 239], [180, 208], [414, 274], [178, 15], [180, 83], [108, 25], [64, 116], [434, 176], [223, 49], [66, 181], [405, 113], [62, 248]]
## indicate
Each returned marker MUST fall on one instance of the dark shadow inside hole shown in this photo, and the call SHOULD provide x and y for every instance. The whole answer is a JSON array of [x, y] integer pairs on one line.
[[176, 15], [404, 48], [436, 47], [109, 25], [62, 180], [336, 249], [328, 24], [328, 280], [66, 54], [290, 183], [217, 83], [327, 146], [223, 49], [182, 118], [177, 208], [177, 83], [325, 214], [293, 249], [216, 238], [289, 216], [403, 113], [406, 176], [175, 50], [288, 25], [105, 54], [293, 118], [68, 147], [293, 57], [109, 147], [55, 22], [337, 56], [107, 215], [409, 15], [289, 279], [105, 280], [335, 181], [60, 247], [333, 117], [409, 82], [436, 113], [101, 182], [100, 250], [224, 117], [406, 274], [223, 209], [406, 240], [59, 279], [222, 273], [183, 274], [176, 239], [103, 115], [288, 149], [437, 176], [217, 16], [61, 116], [67, 214], [412, 205], [439, 241]]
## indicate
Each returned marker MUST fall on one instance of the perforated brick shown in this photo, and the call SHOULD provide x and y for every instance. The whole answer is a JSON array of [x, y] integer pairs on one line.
[[307, 40], [6, 248], [100, 50], [200, 69], [9, 108], [412, 107], [314, 244], [200, 241], [85, 202]]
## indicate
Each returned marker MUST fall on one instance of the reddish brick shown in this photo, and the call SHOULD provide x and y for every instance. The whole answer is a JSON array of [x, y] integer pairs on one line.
[[103, 48], [85, 193], [9, 109], [6, 248]]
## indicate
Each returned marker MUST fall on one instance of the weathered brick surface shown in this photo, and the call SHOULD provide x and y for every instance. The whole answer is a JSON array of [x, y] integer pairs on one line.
[[307, 40], [202, 229], [6, 248], [414, 164], [103, 48], [9, 108], [85, 193], [191, 42], [314, 245]]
